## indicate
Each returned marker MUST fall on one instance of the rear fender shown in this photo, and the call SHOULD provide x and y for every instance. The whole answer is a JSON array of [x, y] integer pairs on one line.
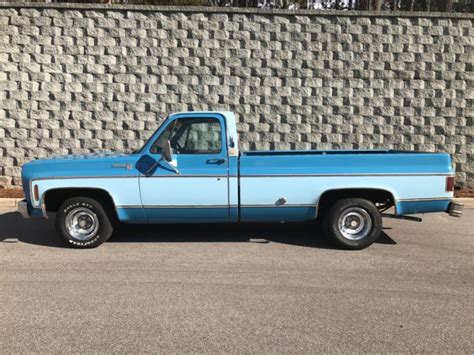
[[358, 192]]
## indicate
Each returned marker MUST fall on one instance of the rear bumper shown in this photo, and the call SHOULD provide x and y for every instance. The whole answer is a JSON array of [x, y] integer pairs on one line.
[[455, 209], [22, 207]]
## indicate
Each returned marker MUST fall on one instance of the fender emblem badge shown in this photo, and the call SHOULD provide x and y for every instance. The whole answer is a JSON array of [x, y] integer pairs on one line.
[[127, 166]]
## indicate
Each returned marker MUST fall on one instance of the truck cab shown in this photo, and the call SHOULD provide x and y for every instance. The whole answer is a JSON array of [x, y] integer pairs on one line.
[[199, 182]]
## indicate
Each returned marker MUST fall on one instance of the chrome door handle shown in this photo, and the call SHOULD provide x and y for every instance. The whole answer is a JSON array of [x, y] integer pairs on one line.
[[215, 161]]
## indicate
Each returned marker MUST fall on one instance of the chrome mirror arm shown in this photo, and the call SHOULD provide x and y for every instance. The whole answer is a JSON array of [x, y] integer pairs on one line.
[[155, 164], [175, 169]]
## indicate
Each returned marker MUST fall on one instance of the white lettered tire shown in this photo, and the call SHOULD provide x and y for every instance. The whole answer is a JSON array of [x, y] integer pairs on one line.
[[82, 222], [353, 223]]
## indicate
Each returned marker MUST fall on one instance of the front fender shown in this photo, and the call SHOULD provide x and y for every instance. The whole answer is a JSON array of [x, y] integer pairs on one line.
[[123, 191]]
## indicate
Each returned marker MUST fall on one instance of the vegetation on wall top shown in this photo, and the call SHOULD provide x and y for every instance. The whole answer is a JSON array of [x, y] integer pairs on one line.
[[370, 5]]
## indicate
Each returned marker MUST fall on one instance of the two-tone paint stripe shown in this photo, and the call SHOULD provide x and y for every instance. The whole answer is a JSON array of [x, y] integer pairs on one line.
[[176, 206], [424, 199], [234, 176], [265, 205], [242, 176], [246, 176], [216, 206], [345, 175]]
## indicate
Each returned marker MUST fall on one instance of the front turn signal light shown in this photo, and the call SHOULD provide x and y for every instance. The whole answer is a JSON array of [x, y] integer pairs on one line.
[[36, 193]]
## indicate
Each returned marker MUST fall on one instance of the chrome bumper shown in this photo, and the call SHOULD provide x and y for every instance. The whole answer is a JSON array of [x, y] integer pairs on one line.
[[455, 209], [22, 207]]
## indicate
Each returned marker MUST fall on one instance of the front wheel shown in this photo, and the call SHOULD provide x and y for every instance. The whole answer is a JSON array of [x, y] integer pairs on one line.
[[353, 223], [83, 223]]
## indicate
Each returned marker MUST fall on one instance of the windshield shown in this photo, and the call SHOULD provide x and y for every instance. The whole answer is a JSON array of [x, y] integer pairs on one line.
[[139, 150]]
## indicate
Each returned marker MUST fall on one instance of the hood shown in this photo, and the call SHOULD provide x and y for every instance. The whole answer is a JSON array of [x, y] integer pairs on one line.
[[98, 164], [73, 157]]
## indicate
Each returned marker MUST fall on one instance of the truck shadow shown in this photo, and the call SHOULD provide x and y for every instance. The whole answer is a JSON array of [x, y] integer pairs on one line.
[[41, 232]]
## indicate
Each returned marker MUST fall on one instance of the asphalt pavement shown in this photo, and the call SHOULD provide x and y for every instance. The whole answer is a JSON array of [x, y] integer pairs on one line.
[[247, 289]]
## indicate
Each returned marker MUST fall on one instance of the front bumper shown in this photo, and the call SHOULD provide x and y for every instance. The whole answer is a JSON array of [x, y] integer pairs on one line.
[[455, 209], [22, 207]]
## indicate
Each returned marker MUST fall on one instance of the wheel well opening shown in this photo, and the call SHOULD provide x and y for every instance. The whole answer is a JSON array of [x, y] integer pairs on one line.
[[383, 199], [54, 198]]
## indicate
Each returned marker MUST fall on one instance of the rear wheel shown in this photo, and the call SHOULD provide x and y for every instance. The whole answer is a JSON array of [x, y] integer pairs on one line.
[[83, 223], [353, 223]]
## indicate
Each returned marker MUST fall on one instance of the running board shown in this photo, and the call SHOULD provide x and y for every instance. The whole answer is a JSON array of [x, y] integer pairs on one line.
[[408, 218]]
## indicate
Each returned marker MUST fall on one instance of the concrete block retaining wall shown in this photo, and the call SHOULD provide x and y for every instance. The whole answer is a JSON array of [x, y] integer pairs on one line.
[[85, 78]]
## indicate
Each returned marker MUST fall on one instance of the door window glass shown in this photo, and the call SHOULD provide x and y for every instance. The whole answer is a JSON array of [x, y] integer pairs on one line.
[[191, 136]]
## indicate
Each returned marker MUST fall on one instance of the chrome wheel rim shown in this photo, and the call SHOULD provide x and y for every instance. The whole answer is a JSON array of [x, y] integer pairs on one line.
[[81, 223], [354, 223]]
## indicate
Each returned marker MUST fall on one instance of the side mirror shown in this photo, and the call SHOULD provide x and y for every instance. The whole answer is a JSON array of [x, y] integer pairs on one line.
[[166, 152], [167, 156]]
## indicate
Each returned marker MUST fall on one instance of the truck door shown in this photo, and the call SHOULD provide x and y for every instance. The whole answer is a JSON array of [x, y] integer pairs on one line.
[[195, 187]]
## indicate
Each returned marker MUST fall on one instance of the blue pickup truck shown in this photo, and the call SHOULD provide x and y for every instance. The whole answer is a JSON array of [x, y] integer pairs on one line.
[[191, 171]]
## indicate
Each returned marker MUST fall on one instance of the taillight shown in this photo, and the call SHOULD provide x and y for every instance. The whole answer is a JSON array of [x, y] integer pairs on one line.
[[450, 184], [36, 193]]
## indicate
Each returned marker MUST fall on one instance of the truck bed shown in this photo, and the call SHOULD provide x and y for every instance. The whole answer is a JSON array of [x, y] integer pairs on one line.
[[343, 162], [299, 178]]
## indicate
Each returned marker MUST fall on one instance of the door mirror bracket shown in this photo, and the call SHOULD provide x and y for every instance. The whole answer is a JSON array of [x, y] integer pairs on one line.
[[166, 156]]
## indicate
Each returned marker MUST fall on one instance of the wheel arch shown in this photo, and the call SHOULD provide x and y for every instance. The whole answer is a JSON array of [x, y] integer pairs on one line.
[[52, 198], [374, 194]]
